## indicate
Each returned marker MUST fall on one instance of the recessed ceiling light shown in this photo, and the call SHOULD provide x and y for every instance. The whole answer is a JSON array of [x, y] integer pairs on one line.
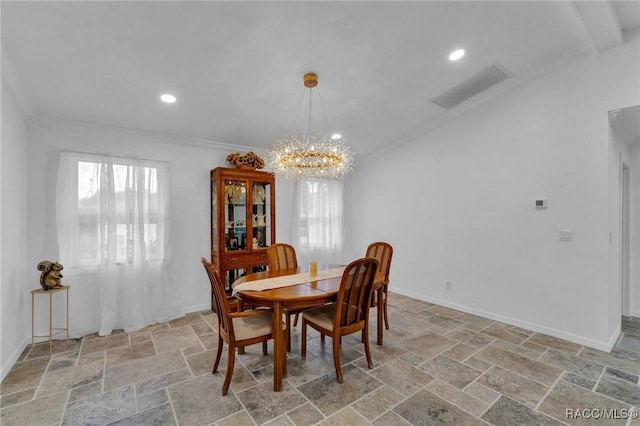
[[336, 136], [456, 54], [168, 98]]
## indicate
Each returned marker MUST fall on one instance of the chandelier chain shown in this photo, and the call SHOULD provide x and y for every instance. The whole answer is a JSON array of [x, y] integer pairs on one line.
[[295, 121], [326, 119], [310, 103]]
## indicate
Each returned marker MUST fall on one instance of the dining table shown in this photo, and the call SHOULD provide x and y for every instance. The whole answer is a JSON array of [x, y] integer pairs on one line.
[[294, 289]]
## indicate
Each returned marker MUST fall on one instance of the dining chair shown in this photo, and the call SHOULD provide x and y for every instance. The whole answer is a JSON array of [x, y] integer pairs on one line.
[[283, 256], [382, 252], [237, 329], [350, 312]]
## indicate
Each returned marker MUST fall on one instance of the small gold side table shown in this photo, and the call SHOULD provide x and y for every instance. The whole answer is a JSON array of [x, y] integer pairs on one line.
[[58, 330]]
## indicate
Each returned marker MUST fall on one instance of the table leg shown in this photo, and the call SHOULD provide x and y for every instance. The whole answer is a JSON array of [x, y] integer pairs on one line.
[[50, 323], [67, 315], [33, 318], [278, 347], [380, 308]]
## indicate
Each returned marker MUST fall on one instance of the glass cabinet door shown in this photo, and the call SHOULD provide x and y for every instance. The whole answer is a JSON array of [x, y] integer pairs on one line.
[[261, 214], [235, 199]]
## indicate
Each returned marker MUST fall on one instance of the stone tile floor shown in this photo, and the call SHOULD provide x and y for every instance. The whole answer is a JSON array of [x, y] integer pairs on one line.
[[437, 366], [629, 339]]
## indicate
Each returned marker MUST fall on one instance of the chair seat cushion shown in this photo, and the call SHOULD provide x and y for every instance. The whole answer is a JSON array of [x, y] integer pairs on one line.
[[322, 316], [253, 326]]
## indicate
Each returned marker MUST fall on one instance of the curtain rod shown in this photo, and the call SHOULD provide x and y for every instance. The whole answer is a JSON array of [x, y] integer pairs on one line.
[[108, 154]]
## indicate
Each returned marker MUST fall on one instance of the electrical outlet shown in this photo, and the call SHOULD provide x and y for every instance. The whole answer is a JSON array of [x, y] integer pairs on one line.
[[565, 236], [448, 285]]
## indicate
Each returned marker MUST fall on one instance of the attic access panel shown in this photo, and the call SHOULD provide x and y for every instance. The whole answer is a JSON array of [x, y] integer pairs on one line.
[[478, 83]]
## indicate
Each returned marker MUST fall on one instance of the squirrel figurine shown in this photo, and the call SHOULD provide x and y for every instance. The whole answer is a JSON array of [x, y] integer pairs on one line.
[[50, 276]]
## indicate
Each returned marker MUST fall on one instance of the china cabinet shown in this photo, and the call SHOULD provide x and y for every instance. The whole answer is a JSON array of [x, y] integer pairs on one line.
[[242, 221]]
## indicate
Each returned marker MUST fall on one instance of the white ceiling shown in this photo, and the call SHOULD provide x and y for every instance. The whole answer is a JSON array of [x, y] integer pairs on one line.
[[236, 67]]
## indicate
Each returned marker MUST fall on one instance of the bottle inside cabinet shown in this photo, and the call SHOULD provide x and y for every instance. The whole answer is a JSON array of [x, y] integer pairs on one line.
[[235, 199]]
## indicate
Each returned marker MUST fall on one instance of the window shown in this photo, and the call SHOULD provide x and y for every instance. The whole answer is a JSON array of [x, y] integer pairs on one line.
[[319, 227], [116, 210]]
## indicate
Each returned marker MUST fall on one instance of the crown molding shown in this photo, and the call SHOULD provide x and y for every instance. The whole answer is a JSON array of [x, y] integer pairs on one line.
[[166, 138], [13, 85]]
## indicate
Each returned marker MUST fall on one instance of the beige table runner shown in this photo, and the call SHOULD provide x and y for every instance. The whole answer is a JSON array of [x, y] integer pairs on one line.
[[288, 280]]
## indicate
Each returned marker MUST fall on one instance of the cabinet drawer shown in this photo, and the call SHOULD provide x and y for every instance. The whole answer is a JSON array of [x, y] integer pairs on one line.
[[260, 258], [235, 261], [245, 259]]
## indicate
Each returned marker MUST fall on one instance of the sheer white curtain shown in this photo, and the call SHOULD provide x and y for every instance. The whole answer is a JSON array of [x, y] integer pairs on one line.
[[113, 233], [318, 221]]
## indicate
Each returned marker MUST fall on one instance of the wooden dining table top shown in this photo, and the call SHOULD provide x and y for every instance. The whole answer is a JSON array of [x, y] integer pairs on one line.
[[298, 295]]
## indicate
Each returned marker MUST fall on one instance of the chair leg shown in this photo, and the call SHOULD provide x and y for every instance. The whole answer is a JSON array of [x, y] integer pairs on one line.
[[386, 315], [367, 350], [230, 363], [303, 339], [284, 360], [218, 354], [336, 358], [295, 320], [264, 348]]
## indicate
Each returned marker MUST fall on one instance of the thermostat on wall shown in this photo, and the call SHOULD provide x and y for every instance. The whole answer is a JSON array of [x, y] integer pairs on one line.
[[541, 203]]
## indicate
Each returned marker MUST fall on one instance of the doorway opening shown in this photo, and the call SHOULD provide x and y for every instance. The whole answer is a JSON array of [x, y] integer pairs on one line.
[[625, 140], [625, 236]]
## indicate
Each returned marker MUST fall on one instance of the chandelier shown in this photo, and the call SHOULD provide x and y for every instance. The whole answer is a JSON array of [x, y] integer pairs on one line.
[[296, 157]]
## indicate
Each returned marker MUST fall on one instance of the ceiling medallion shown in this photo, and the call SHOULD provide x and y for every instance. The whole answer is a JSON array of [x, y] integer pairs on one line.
[[304, 156]]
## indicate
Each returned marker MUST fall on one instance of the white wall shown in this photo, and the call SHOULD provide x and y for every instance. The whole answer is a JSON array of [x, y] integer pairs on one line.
[[15, 300], [458, 202]]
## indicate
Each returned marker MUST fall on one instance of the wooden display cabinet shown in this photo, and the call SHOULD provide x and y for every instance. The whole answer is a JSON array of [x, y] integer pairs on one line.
[[243, 221]]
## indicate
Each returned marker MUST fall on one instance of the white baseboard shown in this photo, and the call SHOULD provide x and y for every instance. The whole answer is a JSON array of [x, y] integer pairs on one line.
[[198, 308], [605, 346], [4, 370]]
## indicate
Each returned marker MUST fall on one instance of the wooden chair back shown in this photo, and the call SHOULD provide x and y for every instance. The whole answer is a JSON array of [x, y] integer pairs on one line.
[[354, 295], [223, 309], [382, 252], [281, 256]]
